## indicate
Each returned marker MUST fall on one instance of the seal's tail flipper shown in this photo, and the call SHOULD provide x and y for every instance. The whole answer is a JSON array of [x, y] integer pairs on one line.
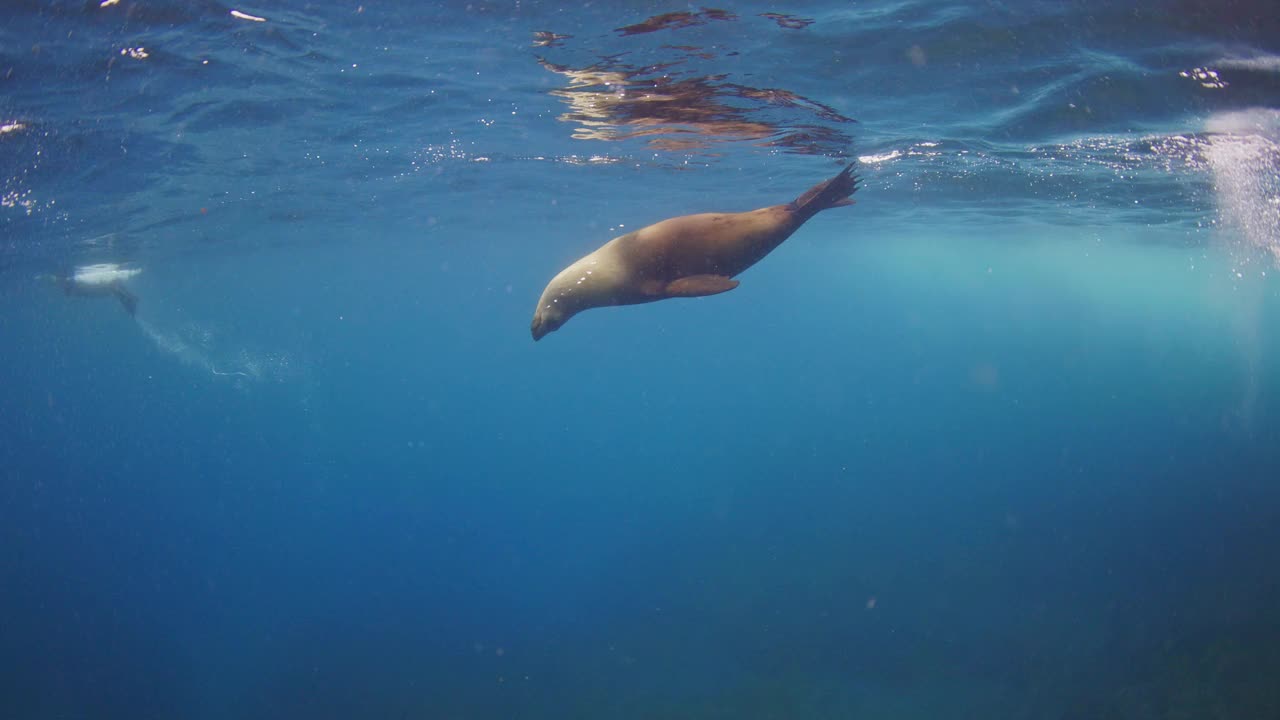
[[827, 194], [128, 300]]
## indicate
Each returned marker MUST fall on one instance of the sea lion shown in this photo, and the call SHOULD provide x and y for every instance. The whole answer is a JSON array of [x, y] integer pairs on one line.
[[99, 280], [686, 256]]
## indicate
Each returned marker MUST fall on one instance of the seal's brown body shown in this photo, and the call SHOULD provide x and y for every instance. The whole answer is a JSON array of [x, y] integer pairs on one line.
[[687, 256]]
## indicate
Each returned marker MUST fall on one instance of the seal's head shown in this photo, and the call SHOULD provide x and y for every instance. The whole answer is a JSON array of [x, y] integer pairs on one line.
[[61, 281], [579, 287], [546, 319], [571, 291], [596, 280]]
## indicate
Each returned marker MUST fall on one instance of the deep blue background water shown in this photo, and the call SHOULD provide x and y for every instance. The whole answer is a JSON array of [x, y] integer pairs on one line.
[[999, 441]]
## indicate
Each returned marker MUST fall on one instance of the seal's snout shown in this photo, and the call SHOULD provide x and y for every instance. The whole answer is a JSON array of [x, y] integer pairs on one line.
[[544, 322]]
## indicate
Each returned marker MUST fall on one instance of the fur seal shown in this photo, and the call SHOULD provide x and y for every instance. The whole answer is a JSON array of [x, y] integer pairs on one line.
[[686, 256], [99, 280]]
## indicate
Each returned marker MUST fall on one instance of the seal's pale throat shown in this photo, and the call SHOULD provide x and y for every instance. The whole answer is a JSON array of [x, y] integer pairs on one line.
[[686, 256]]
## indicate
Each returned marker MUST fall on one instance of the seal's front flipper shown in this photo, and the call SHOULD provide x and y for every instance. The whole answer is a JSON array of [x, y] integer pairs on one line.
[[127, 299], [700, 285]]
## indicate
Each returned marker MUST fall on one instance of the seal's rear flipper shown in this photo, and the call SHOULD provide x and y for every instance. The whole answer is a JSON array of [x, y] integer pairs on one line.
[[127, 299], [826, 194], [700, 285]]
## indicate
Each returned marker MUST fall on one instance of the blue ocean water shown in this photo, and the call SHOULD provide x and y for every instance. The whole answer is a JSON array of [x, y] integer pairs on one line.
[[1000, 441]]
